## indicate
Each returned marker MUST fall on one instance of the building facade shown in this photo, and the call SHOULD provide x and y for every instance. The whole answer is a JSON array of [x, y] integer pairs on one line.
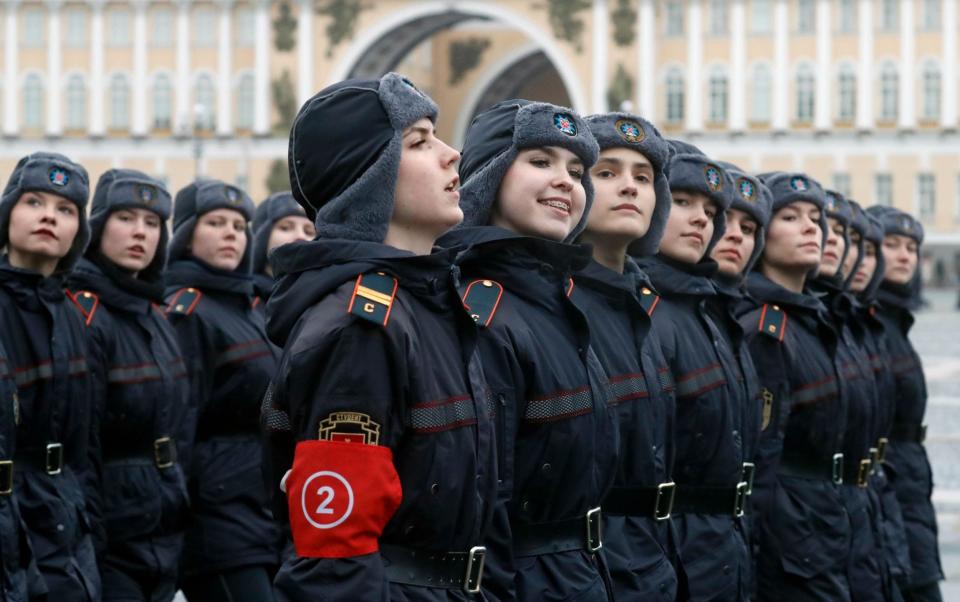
[[862, 94]]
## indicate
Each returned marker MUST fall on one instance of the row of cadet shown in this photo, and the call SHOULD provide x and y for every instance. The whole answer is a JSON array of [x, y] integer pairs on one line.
[[577, 362]]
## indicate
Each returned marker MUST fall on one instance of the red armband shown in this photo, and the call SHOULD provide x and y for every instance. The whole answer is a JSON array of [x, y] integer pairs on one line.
[[340, 497]]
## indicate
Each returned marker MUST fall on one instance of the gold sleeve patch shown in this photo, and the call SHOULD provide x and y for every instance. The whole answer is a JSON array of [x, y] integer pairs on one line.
[[349, 427]]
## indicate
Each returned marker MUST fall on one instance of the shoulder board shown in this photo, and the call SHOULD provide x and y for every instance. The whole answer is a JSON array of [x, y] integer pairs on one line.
[[184, 301], [773, 321], [481, 299], [648, 300], [86, 302], [373, 296]]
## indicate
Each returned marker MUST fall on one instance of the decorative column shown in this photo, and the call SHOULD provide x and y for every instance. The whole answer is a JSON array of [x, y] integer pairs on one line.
[[601, 42], [948, 81], [737, 116], [305, 50], [780, 67], [183, 116], [695, 87], [865, 69], [10, 92], [646, 27], [54, 68], [139, 126], [907, 118], [821, 109], [261, 75], [224, 85], [95, 125]]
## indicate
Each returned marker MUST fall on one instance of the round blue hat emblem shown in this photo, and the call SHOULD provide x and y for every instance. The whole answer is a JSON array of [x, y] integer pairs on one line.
[[59, 177], [565, 124], [630, 130], [714, 179], [747, 190], [799, 184]]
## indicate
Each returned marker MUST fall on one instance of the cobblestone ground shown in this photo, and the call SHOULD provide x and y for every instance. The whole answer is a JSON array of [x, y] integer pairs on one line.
[[936, 336]]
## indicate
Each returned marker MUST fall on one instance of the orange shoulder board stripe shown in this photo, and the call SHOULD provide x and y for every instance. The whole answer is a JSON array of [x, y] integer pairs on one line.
[[773, 321], [184, 301], [373, 296], [86, 302], [649, 300], [481, 299]]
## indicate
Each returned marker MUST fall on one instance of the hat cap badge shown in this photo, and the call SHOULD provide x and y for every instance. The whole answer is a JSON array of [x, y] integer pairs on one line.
[[59, 177], [147, 194], [565, 124], [714, 180], [232, 195], [906, 224], [630, 130], [799, 184], [747, 190]]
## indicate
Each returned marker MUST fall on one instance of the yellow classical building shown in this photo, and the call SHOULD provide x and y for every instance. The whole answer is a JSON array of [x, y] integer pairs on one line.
[[861, 94]]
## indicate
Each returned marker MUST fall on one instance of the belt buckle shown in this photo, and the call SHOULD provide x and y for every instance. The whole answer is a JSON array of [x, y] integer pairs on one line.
[[594, 539], [864, 472], [882, 443], [163, 452], [874, 460], [474, 576], [664, 504], [836, 469], [53, 461], [749, 469], [6, 477], [740, 499]]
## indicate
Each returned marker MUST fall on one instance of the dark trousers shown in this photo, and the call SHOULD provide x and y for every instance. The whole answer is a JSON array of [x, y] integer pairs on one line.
[[247, 584], [123, 586], [923, 593]]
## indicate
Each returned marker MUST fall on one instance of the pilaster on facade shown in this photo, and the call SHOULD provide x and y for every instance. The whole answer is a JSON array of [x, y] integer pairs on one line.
[[11, 125], [601, 42], [224, 85], [865, 74], [305, 50], [694, 109], [54, 69], [781, 69], [908, 115], [261, 73], [738, 72], [647, 94], [948, 104], [824, 75], [95, 127], [183, 115], [138, 127]]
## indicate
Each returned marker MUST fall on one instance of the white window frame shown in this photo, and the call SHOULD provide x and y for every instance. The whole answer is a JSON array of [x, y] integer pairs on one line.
[[761, 16], [161, 34], [719, 18], [120, 94], [804, 93], [932, 82], [119, 27], [883, 185], [889, 92], [676, 95], [718, 87], [162, 111], [204, 23], [75, 34], [806, 16], [34, 32], [762, 97], [846, 93], [76, 97], [926, 195], [33, 106]]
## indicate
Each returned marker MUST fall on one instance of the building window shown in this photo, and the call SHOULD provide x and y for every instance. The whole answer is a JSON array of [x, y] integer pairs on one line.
[[76, 34], [846, 94], [884, 192], [245, 28], [718, 17], [888, 15], [204, 28], [33, 103], [119, 103], [204, 98], [841, 183], [674, 18], [675, 96], [927, 195], [889, 92], [76, 103], [33, 33], [760, 21], [806, 16], [931, 91], [162, 28], [119, 25], [718, 96], [162, 102], [805, 92], [762, 89], [245, 103], [931, 15], [848, 16]]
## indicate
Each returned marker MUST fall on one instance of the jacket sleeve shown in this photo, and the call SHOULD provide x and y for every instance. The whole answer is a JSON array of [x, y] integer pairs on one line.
[[93, 472], [194, 341], [327, 373]]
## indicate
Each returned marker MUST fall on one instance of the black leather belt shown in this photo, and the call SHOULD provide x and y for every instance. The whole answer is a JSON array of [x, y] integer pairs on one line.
[[162, 453], [582, 533], [712, 500], [6, 477], [655, 502], [813, 468], [447, 570], [912, 433], [47, 459]]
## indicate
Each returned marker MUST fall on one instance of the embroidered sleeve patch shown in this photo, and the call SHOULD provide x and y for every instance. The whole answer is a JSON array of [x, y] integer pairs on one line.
[[340, 497]]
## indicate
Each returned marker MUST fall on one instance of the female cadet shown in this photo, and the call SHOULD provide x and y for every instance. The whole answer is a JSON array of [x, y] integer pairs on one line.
[[629, 212], [864, 570], [379, 401], [526, 189], [802, 529], [712, 400], [230, 549], [137, 364], [43, 226], [906, 463], [278, 220]]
